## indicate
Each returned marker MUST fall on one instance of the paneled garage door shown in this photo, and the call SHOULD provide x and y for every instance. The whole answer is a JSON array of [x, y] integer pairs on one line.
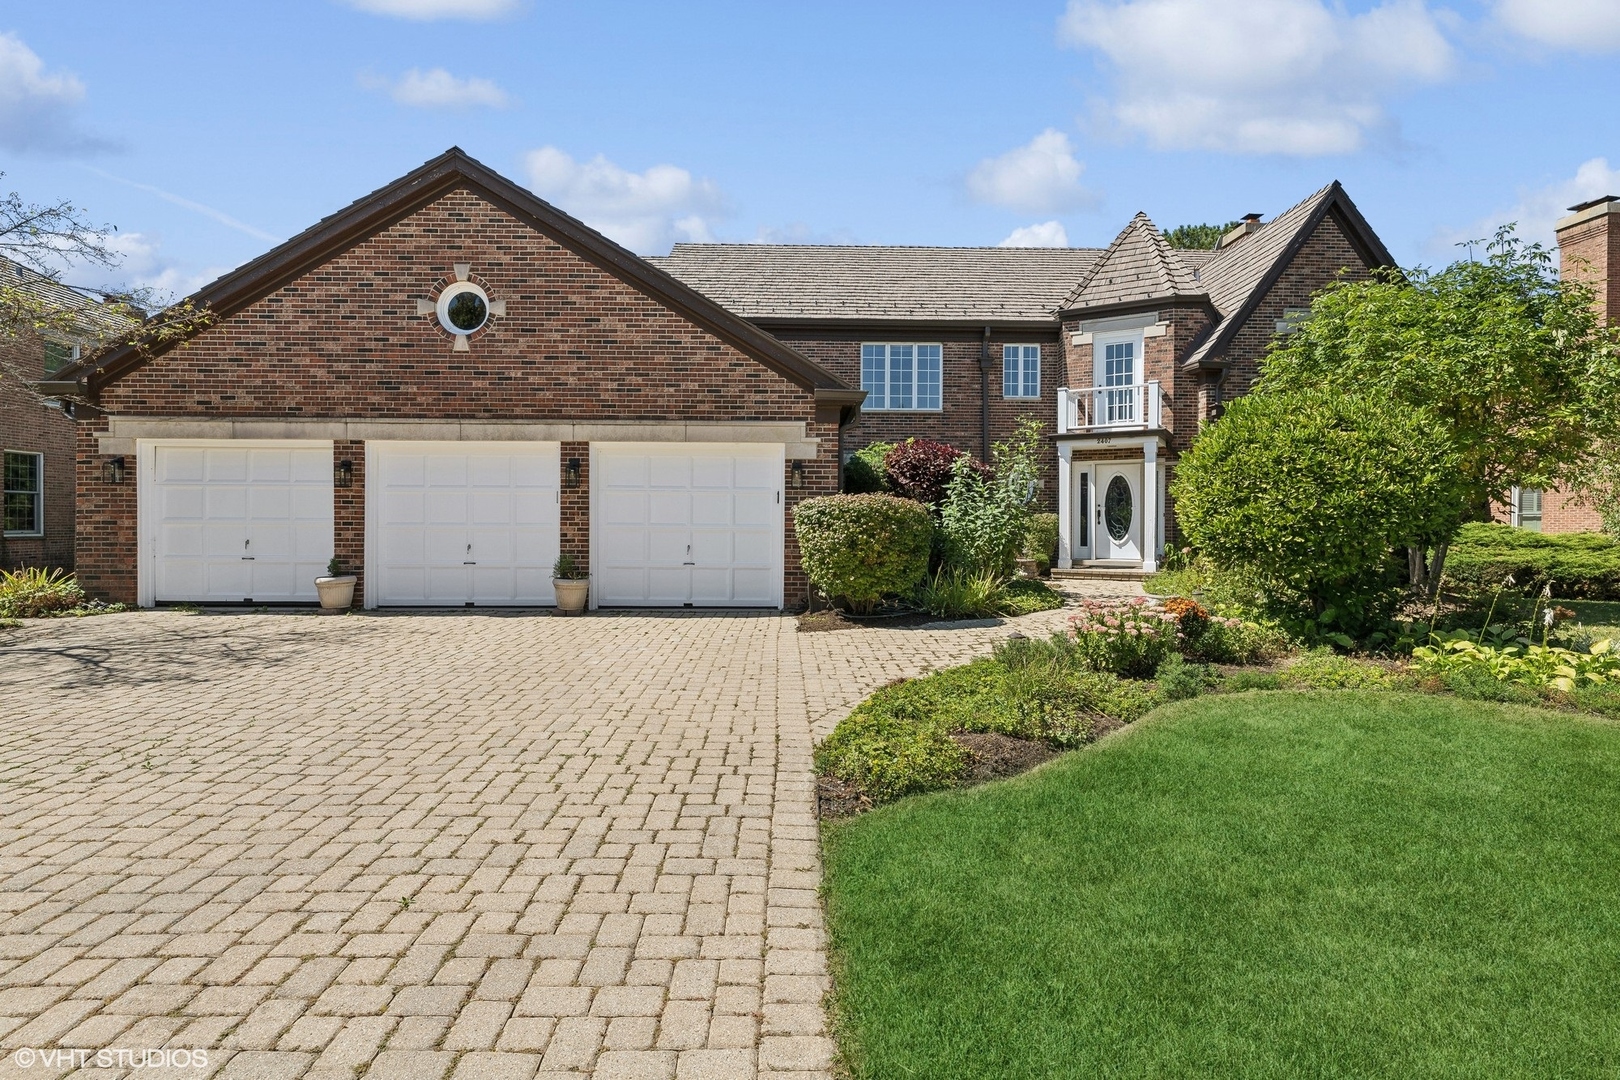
[[683, 524], [454, 523], [228, 522]]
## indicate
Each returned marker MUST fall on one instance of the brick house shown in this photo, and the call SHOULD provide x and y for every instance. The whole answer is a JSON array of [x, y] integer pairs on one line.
[[1589, 250], [1121, 351], [36, 436], [444, 385]]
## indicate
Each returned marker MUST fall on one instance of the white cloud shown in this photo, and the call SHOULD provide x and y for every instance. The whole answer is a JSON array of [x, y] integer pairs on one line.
[[436, 88], [37, 107], [1261, 76], [1537, 210], [645, 211], [143, 265], [428, 10], [1038, 177], [1044, 234], [1582, 25]]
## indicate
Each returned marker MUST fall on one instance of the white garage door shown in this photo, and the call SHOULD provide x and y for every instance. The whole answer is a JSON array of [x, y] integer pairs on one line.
[[229, 522], [456, 523], [683, 524]]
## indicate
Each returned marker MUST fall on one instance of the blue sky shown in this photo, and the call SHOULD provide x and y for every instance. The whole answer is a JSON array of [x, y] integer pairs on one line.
[[207, 132]]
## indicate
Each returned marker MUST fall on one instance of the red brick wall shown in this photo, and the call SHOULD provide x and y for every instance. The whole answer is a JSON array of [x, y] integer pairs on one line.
[[959, 421], [105, 539], [349, 514], [1590, 252], [27, 425], [345, 342], [1161, 360], [576, 505]]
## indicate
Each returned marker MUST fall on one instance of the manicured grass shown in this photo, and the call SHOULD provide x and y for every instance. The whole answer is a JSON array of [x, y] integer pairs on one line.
[[1277, 885]]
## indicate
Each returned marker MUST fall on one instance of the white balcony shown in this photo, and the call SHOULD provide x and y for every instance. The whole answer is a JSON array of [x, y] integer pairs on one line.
[[1139, 407]]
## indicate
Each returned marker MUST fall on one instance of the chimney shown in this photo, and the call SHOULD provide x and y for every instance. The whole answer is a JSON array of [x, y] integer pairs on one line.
[[1249, 224], [1589, 251]]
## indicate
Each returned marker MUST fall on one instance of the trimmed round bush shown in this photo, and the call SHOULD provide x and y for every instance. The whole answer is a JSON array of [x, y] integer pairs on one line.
[[865, 471], [921, 469], [862, 548]]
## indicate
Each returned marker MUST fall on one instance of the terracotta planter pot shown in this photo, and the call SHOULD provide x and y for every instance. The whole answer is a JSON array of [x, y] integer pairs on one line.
[[571, 594], [336, 593], [1029, 568]]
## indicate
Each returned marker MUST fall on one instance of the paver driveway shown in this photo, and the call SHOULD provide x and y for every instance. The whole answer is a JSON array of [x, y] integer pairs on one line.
[[464, 845]]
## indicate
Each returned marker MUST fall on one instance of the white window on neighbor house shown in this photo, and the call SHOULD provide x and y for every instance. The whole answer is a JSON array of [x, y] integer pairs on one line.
[[1020, 371], [24, 494], [1293, 318], [1527, 508], [901, 377]]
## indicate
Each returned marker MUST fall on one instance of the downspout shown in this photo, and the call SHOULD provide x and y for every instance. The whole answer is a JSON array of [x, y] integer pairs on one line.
[[984, 397]]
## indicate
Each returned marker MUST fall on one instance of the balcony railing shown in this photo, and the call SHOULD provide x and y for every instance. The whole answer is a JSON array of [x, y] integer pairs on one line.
[[1110, 408]]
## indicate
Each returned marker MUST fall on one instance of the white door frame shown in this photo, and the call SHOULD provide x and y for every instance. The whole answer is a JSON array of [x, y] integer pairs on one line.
[[684, 449], [1148, 513], [145, 497], [1107, 547]]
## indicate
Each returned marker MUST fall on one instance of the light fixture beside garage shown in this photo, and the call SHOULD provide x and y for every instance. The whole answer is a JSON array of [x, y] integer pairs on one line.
[[112, 471], [796, 474], [463, 307], [571, 473], [343, 474]]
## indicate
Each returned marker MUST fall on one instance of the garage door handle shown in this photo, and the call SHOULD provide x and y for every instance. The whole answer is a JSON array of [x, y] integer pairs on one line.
[[469, 564], [248, 558], [688, 561]]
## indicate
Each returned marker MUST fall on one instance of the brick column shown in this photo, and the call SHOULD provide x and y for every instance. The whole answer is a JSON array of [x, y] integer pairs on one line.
[[349, 514], [820, 478], [106, 548], [576, 504]]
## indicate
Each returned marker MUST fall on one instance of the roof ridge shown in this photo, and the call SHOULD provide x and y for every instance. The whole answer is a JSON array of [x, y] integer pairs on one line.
[[1174, 277], [747, 245], [1225, 254]]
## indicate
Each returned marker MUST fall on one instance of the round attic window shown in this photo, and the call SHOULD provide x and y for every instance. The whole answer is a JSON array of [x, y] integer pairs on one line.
[[463, 308]]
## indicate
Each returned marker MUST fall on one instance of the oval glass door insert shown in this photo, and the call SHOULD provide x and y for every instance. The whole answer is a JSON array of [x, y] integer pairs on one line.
[[1117, 508]]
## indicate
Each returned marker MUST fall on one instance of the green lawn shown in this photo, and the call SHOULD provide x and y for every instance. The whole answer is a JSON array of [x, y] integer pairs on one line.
[[1254, 885]]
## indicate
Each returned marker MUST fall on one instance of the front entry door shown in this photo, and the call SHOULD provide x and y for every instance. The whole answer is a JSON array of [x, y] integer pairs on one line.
[[1118, 502]]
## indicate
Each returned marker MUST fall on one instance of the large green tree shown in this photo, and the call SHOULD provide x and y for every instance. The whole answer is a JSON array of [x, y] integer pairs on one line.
[[1513, 361], [1202, 237]]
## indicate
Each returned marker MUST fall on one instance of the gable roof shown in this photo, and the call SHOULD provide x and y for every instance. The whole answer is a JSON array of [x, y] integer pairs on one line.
[[872, 283], [450, 171], [1138, 266], [1239, 277]]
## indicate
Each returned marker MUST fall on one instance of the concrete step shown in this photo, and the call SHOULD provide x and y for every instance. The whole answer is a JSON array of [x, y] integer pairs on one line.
[[1101, 573]]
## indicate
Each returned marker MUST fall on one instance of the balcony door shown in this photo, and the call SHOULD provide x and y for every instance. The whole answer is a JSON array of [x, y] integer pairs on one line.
[[1117, 362]]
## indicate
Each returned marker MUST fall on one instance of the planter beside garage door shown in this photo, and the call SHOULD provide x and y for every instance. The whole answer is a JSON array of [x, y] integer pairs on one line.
[[687, 524]]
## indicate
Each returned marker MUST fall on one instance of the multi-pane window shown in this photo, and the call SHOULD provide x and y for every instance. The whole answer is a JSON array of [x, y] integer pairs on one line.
[[58, 356], [1119, 381], [24, 494], [1530, 509], [1020, 371], [901, 376]]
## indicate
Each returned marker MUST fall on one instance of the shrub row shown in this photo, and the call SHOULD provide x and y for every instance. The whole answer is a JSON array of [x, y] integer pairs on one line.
[[1578, 566]]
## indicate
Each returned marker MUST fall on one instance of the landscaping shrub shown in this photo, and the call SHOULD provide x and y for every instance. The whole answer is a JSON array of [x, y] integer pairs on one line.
[[33, 593], [1324, 669], [920, 469], [863, 547], [1312, 491], [889, 749], [982, 520], [1129, 638], [1239, 641], [1251, 680], [865, 472], [1040, 539], [1526, 663], [1180, 679], [956, 593], [1578, 566]]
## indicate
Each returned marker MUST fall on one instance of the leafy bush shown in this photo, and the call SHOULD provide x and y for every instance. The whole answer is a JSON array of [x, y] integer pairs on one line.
[[983, 522], [1251, 680], [865, 472], [1324, 669], [1312, 490], [1040, 539], [1525, 664], [1180, 679], [956, 593], [32, 593], [1578, 566], [863, 547], [920, 469], [1129, 638], [1023, 596], [1239, 641], [888, 749]]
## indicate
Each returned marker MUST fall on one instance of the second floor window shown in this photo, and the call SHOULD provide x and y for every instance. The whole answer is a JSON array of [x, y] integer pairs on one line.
[[59, 355], [1020, 371], [901, 376]]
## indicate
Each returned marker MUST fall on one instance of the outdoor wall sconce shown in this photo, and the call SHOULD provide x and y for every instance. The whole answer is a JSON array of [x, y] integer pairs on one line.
[[571, 473], [113, 471], [796, 474], [343, 474]]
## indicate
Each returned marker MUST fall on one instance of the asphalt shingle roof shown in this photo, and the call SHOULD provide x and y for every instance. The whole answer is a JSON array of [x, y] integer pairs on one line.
[[1139, 265], [97, 319], [813, 281]]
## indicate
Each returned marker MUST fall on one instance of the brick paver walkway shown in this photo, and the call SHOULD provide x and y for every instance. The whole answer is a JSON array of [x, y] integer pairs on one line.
[[462, 845]]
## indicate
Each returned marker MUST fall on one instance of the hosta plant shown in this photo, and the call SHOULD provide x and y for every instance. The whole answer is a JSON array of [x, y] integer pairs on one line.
[[1526, 663]]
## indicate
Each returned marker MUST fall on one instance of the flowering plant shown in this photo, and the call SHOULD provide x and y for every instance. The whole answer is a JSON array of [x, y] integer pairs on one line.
[[1129, 638]]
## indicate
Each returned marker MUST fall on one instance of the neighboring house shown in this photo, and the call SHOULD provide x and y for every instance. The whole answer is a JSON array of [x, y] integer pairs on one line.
[[1127, 349], [443, 385], [1589, 250], [36, 437]]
